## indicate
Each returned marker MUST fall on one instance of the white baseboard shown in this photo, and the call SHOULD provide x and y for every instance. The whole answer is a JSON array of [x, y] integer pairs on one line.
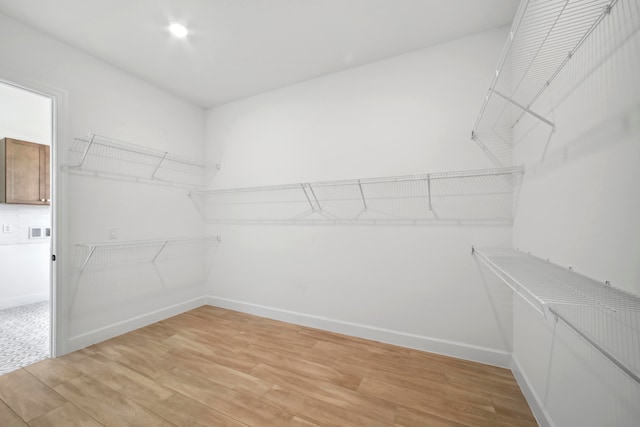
[[88, 338], [418, 342], [537, 406], [24, 300]]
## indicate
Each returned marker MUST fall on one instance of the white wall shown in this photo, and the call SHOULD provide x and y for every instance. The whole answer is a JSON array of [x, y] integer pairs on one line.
[[412, 285], [106, 101], [579, 207], [24, 262]]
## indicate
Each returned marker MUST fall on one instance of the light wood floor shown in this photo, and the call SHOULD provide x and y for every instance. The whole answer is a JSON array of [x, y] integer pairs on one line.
[[214, 367]]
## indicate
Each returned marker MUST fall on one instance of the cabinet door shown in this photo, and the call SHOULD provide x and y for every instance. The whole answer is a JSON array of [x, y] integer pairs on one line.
[[25, 173], [45, 173]]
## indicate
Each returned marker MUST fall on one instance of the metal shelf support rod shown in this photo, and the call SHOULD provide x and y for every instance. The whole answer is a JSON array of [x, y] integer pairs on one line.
[[364, 201], [314, 196], [92, 249], [304, 190], [522, 107], [164, 156], [429, 190], [86, 151], [159, 251], [604, 352]]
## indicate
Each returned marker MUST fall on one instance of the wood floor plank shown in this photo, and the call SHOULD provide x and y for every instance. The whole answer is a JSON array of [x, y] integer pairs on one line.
[[303, 367], [216, 367], [247, 408], [186, 412], [106, 405], [53, 372], [27, 396], [408, 417], [222, 375], [135, 386], [133, 358], [317, 411], [451, 409], [67, 415], [76, 355], [330, 393], [299, 422], [9, 418]]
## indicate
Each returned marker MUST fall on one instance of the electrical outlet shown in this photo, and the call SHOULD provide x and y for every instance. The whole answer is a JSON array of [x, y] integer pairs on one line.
[[7, 228], [112, 233]]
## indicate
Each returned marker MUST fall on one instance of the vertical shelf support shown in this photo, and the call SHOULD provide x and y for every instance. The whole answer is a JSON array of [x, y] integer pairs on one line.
[[304, 190], [429, 190], [364, 201], [86, 261], [164, 156], [86, 151], [314, 196], [155, 257]]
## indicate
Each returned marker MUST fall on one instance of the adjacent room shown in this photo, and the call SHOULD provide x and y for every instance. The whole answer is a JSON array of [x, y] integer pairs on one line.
[[314, 213]]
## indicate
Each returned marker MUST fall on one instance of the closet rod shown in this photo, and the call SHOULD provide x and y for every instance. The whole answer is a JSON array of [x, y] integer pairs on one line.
[[597, 346]]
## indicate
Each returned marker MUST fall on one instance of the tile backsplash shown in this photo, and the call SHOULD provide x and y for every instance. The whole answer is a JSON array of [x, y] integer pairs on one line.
[[20, 218]]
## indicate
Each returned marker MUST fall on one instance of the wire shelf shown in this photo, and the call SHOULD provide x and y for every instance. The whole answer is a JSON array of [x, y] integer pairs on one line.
[[544, 37], [466, 195], [103, 156], [133, 252], [607, 317], [106, 274]]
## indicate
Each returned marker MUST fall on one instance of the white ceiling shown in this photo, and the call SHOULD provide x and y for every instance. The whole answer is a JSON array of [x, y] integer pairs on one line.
[[239, 48]]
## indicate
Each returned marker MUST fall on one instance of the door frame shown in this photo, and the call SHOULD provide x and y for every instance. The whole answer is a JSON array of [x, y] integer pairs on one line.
[[58, 275]]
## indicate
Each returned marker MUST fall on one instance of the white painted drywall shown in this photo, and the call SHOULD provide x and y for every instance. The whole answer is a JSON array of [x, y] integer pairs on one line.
[[106, 101], [24, 262], [413, 285], [579, 207]]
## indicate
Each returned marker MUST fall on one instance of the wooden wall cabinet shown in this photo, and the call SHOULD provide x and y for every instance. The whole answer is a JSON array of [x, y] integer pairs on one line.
[[24, 172]]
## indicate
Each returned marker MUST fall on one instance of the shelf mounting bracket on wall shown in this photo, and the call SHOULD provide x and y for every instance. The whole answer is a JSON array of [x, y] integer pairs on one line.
[[524, 108], [429, 190], [364, 201], [164, 156], [304, 190], [86, 151], [313, 193]]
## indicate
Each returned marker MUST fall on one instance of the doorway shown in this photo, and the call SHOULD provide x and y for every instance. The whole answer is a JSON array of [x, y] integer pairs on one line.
[[26, 226]]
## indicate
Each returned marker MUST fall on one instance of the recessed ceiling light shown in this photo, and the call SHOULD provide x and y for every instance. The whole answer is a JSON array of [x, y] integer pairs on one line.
[[178, 30]]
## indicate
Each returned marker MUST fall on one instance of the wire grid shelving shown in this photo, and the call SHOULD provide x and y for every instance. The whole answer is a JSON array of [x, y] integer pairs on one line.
[[108, 273], [108, 157], [606, 317], [134, 252], [544, 37], [465, 195]]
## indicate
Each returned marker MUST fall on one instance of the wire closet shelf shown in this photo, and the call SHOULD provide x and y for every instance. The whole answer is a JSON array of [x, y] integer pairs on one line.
[[544, 36], [606, 317], [107, 157], [134, 251], [476, 194]]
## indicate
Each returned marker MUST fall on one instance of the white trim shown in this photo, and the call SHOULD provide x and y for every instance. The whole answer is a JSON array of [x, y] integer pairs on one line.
[[97, 335], [419, 342], [59, 206], [537, 406], [24, 300]]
